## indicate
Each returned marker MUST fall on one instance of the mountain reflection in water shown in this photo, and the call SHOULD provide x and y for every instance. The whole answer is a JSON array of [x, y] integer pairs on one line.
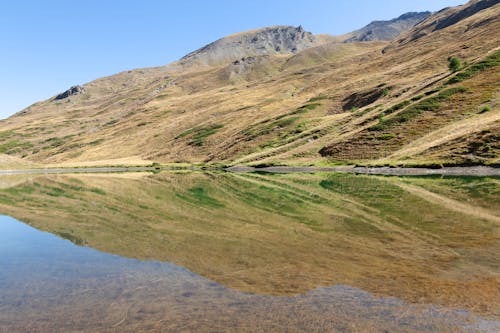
[[400, 254]]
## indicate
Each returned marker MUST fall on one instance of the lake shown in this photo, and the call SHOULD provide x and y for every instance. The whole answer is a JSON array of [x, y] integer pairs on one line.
[[249, 252]]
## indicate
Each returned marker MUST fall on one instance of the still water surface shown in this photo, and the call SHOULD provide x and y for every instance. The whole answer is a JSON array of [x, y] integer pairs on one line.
[[213, 252]]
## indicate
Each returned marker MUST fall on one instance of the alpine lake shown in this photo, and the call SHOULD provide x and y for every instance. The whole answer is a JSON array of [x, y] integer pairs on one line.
[[249, 252]]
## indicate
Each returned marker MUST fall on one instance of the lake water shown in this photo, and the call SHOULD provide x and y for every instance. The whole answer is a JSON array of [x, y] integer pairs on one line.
[[250, 252]]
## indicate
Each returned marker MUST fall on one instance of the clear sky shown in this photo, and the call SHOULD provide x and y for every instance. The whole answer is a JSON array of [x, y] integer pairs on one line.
[[47, 46]]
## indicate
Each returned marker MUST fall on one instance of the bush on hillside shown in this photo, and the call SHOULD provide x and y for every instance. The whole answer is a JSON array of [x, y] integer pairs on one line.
[[454, 64]]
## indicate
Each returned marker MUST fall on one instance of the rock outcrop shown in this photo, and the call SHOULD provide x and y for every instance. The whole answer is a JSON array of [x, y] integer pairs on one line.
[[265, 41], [74, 90]]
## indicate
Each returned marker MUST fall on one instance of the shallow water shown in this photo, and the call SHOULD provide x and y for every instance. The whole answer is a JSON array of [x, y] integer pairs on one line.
[[212, 252]]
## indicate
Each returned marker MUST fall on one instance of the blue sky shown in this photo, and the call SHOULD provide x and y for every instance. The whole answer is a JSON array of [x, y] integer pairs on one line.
[[47, 46]]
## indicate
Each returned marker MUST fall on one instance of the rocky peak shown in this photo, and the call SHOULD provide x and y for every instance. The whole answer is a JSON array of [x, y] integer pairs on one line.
[[387, 30], [265, 41], [74, 90]]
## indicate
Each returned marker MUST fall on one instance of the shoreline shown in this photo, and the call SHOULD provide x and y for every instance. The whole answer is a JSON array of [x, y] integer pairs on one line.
[[480, 171], [387, 171]]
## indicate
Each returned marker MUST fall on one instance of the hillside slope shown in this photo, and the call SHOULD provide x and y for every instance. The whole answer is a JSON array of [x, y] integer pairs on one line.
[[294, 99], [387, 30]]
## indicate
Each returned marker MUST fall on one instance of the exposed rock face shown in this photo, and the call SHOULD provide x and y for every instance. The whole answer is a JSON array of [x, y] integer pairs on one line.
[[387, 30], [248, 68], [265, 41], [75, 90], [246, 64]]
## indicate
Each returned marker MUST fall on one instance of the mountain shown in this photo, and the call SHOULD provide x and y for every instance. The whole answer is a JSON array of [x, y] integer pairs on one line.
[[387, 30], [281, 95], [265, 41]]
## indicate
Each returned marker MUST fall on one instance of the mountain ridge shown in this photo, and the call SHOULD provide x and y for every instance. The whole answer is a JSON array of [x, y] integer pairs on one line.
[[263, 41], [387, 30], [331, 102], [202, 56]]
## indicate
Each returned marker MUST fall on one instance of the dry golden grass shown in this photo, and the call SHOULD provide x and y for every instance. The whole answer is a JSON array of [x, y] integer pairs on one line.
[[125, 161], [11, 162]]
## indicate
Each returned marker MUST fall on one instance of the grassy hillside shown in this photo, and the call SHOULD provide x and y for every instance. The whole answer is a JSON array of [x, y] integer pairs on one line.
[[368, 102]]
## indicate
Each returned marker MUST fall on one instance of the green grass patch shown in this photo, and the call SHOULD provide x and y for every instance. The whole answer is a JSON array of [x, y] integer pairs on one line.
[[7, 200], [6, 134], [57, 192], [454, 64], [98, 191], [306, 107], [199, 196], [451, 91], [365, 111], [19, 190], [160, 97], [303, 109], [267, 198], [200, 134], [429, 104], [96, 142], [266, 128], [386, 136], [14, 146], [54, 142], [283, 136], [111, 122], [397, 107], [388, 201], [471, 70], [282, 121], [485, 109]]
